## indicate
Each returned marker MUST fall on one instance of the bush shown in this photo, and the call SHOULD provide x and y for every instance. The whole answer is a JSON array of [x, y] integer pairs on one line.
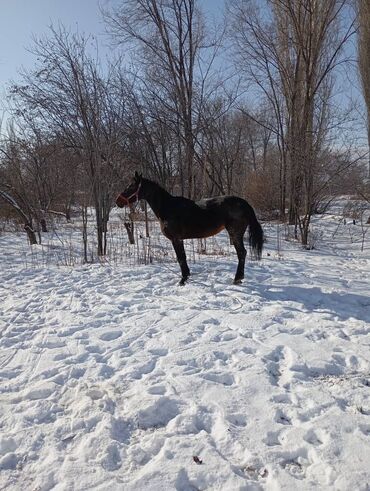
[[262, 191]]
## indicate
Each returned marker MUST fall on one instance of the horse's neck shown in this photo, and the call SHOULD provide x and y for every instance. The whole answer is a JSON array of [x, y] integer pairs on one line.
[[157, 198]]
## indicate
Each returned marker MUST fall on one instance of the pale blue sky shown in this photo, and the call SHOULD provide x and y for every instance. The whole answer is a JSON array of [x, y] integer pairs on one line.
[[20, 19]]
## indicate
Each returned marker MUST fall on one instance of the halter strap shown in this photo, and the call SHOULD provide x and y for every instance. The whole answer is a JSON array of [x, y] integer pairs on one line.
[[136, 194]]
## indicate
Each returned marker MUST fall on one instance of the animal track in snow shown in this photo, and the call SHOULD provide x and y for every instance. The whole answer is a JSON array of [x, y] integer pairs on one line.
[[225, 336], [273, 438], [158, 414], [365, 429], [157, 390], [220, 355], [158, 351], [274, 362], [111, 458], [219, 377], [316, 437], [121, 429], [282, 418], [110, 335], [42, 392], [237, 419], [294, 467], [282, 399], [91, 348], [9, 461], [314, 412]]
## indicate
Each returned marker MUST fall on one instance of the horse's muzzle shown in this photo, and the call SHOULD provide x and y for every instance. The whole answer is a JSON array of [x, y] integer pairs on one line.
[[121, 201]]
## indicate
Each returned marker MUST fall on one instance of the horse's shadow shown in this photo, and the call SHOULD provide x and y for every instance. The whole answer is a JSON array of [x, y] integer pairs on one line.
[[341, 305]]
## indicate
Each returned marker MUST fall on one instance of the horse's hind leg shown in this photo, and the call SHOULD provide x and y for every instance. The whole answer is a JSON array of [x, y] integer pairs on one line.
[[178, 245], [241, 252]]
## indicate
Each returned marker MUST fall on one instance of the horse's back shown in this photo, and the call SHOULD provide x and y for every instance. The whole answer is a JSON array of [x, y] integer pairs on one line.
[[231, 207], [221, 201], [187, 219]]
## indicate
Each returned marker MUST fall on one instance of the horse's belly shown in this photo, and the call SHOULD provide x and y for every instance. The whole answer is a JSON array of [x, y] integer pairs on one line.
[[203, 232], [184, 229]]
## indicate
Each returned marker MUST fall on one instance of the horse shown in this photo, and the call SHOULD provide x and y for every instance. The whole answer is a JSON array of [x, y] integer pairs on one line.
[[181, 218]]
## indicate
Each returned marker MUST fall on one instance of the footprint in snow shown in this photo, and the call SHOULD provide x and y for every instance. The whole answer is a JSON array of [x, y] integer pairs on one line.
[[365, 429], [111, 459], [110, 335], [121, 430], [140, 370], [51, 344], [9, 461], [94, 349], [42, 392], [295, 468], [61, 356], [157, 390], [295, 462], [158, 351], [273, 438], [183, 482], [95, 394], [49, 373], [282, 418], [273, 364], [220, 355], [219, 378], [70, 331], [105, 371], [225, 336], [282, 399], [158, 414], [316, 437], [10, 374], [237, 419], [73, 360]]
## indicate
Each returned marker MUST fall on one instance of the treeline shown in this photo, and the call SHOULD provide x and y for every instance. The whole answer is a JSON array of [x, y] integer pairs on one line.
[[248, 107]]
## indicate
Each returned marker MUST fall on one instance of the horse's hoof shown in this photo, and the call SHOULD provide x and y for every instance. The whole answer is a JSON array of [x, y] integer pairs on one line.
[[238, 282], [183, 281]]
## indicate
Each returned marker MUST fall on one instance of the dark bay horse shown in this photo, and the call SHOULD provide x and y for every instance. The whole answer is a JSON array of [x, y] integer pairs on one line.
[[180, 218]]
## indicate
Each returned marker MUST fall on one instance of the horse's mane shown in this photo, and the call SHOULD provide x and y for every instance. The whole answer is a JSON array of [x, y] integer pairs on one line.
[[155, 185]]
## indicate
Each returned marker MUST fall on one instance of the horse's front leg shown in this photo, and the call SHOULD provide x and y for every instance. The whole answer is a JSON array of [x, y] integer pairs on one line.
[[178, 245]]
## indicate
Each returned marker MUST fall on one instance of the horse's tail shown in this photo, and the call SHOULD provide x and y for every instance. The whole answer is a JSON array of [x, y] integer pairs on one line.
[[255, 237]]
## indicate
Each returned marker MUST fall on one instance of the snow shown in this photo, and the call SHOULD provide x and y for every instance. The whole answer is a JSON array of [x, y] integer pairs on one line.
[[114, 377]]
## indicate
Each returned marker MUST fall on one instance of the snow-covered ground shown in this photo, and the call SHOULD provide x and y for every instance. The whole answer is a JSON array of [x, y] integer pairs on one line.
[[112, 377]]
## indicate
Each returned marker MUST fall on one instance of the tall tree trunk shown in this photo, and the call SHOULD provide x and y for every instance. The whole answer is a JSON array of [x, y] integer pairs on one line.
[[31, 234]]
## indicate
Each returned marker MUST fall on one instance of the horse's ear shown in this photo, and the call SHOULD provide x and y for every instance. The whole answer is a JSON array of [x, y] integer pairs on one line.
[[138, 176]]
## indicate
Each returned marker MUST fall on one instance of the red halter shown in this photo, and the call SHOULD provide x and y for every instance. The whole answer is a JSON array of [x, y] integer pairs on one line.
[[136, 194]]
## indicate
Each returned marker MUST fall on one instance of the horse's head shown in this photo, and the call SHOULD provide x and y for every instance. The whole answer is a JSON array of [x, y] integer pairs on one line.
[[132, 192]]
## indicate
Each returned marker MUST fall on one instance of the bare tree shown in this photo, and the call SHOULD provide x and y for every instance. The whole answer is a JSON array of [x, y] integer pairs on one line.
[[27, 218], [176, 61], [234, 146], [16, 189], [293, 54], [364, 58], [68, 94], [256, 57]]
